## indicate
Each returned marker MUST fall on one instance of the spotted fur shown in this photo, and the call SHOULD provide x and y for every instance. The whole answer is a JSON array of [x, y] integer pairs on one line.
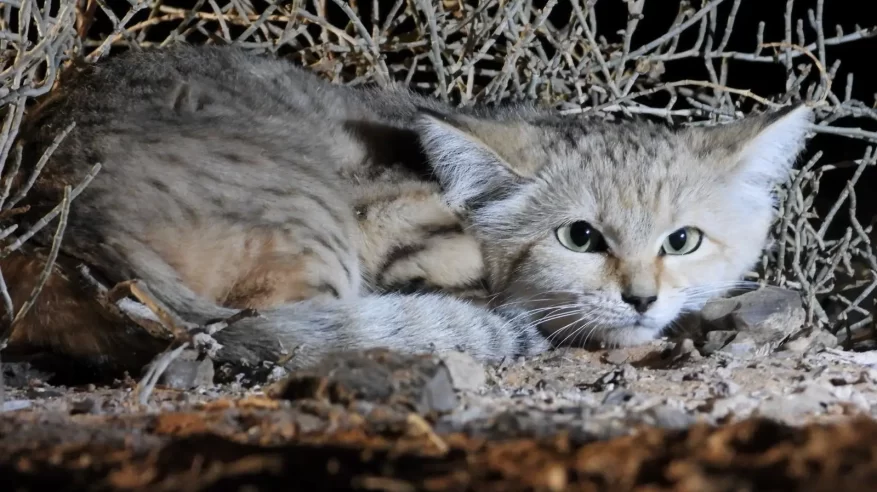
[[363, 217]]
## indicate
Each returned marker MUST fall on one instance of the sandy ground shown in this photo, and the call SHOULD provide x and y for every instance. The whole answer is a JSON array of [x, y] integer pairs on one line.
[[751, 409]]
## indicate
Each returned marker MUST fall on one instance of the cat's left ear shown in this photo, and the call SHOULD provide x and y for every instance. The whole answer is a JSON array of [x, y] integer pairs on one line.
[[475, 160], [760, 148]]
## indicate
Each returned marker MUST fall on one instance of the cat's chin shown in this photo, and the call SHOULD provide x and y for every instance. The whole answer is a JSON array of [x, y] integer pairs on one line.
[[628, 336]]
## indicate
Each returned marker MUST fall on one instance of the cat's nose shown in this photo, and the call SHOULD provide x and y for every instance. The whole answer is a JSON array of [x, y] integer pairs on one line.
[[640, 303]]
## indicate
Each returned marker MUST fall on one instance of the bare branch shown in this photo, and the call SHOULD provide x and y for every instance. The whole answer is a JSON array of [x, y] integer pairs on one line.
[[50, 261]]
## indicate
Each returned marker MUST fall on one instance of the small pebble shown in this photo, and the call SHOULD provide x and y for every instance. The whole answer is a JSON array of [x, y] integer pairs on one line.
[[13, 405], [685, 348], [724, 389], [618, 396], [617, 357], [716, 340], [670, 418], [466, 373], [87, 405]]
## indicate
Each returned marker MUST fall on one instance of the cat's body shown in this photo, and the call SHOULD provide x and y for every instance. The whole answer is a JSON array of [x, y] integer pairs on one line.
[[355, 218]]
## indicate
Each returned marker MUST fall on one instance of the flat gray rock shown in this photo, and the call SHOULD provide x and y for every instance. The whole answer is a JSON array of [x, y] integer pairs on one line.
[[749, 325], [420, 383]]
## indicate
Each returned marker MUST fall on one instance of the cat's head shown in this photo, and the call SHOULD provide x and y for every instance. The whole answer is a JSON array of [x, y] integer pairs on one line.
[[612, 230]]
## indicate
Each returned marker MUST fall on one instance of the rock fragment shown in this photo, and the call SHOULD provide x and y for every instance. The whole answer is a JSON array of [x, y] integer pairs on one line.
[[420, 383], [618, 396], [742, 346], [724, 389], [766, 309], [86, 405], [187, 372], [621, 376], [466, 373], [812, 400], [14, 405], [685, 349], [716, 340], [817, 340], [668, 417], [752, 324], [617, 357]]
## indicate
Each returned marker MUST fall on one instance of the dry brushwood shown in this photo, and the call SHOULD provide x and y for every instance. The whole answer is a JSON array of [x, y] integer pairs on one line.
[[552, 51]]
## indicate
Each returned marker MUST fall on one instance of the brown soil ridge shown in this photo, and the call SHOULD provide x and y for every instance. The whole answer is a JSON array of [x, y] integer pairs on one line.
[[258, 445]]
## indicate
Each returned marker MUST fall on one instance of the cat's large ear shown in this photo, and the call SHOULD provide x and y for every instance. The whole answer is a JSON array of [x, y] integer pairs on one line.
[[476, 161], [760, 149]]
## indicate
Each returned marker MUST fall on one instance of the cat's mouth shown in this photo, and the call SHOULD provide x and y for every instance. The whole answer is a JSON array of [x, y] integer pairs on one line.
[[646, 321]]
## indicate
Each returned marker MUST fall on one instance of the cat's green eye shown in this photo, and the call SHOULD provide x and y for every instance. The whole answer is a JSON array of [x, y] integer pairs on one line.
[[682, 241], [581, 237]]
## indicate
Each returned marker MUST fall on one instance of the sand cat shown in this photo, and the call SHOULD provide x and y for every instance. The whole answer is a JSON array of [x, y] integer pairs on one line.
[[375, 217]]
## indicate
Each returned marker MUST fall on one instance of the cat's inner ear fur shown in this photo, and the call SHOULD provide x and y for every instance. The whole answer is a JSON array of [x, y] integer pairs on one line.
[[761, 148], [476, 161]]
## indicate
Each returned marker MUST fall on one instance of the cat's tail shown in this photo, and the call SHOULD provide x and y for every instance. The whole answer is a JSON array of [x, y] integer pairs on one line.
[[311, 329], [406, 323]]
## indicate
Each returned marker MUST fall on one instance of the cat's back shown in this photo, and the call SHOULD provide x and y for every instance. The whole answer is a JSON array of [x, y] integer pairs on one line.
[[220, 97], [173, 85], [141, 84], [202, 143]]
